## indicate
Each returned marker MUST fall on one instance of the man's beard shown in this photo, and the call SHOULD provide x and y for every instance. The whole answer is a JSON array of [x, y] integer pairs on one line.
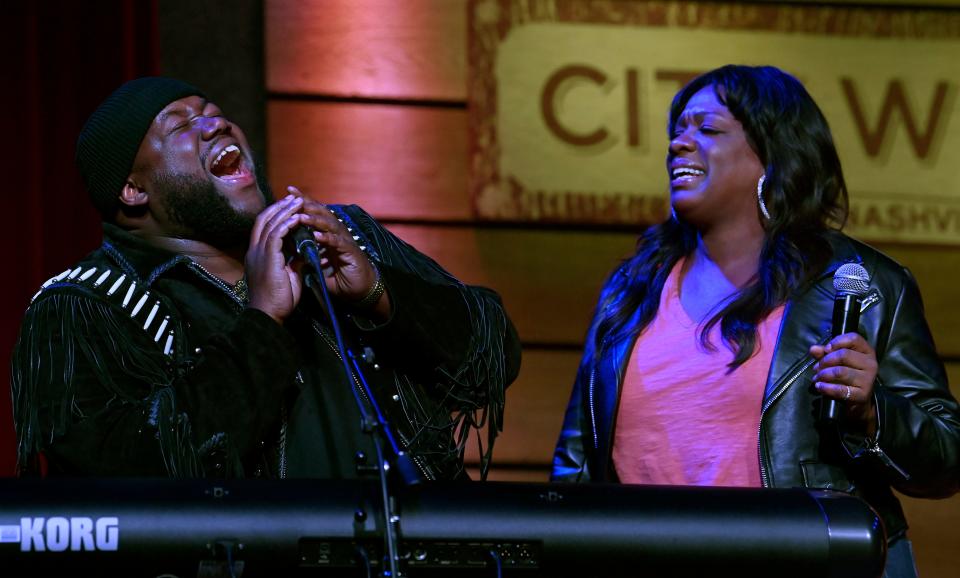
[[198, 211]]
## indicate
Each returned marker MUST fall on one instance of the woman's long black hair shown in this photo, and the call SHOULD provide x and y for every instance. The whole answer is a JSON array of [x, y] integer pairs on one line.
[[804, 191]]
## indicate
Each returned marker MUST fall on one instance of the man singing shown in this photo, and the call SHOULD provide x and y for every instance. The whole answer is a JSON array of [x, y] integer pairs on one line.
[[188, 344]]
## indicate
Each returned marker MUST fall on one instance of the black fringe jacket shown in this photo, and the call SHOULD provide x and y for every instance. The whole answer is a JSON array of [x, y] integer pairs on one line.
[[137, 362]]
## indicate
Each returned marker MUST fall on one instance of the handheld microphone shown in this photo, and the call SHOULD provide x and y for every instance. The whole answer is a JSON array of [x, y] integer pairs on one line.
[[851, 282]]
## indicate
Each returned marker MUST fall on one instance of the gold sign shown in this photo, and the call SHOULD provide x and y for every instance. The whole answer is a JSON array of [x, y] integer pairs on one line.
[[569, 100]]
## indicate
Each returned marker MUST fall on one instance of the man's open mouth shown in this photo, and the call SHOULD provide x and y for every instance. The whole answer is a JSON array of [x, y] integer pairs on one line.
[[228, 164]]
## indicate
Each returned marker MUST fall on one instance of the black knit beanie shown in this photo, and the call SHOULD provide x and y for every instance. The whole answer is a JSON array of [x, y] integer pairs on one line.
[[110, 139]]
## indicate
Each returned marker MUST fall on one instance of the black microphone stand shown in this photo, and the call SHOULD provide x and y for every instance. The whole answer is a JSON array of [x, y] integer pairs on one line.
[[372, 423]]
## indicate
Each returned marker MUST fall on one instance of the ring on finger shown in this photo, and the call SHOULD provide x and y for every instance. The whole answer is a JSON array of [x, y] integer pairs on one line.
[[846, 396]]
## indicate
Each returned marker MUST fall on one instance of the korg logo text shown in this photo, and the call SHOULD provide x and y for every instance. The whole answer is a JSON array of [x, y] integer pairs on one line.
[[59, 534]]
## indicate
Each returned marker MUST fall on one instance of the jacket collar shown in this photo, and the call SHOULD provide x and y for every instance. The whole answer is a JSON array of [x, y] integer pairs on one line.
[[844, 249], [136, 256]]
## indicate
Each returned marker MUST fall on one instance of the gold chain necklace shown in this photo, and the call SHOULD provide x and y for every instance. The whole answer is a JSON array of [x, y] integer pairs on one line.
[[241, 291]]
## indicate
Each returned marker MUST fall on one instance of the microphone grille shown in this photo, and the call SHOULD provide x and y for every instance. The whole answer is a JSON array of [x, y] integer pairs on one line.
[[851, 279]]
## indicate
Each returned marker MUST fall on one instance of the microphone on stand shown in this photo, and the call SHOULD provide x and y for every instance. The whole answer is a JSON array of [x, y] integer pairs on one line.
[[372, 422], [300, 241], [851, 282]]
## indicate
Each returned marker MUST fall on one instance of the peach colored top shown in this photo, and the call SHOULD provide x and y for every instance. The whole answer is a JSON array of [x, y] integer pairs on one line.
[[682, 419]]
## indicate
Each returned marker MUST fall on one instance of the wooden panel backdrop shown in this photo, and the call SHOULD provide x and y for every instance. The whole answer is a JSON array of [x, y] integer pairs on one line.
[[367, 104]]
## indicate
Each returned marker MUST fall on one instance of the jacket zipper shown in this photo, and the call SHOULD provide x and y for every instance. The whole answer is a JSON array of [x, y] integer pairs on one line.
[[216, 281], [773, 398], [359, 389], [282, 458], [873, 447], [333, 347], [868, 301], [593, 414], [593, 411]]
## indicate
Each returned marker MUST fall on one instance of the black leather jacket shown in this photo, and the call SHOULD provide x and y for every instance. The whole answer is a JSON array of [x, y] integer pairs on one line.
[[917, 447], [140, 363]]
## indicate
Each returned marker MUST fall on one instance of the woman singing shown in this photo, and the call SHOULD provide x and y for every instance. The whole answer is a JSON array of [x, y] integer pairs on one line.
[[710, 351]]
